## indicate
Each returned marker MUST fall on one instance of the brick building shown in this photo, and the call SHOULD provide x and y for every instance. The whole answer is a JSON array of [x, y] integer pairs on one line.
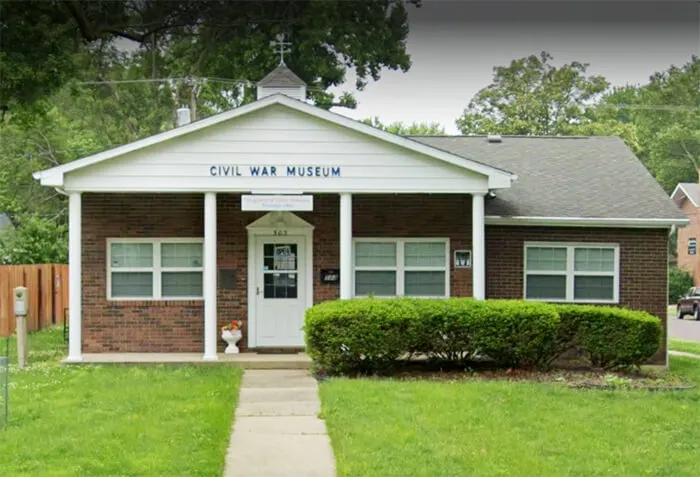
[[259, 212], [687, 197]]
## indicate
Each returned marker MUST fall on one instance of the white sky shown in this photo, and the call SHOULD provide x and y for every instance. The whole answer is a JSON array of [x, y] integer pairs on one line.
[[454, 46]]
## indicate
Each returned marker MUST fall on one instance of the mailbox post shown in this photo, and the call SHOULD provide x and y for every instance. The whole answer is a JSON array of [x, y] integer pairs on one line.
[[21, 305]]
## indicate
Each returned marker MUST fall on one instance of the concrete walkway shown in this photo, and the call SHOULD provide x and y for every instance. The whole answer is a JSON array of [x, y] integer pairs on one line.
[[277, 431], [683, 353]]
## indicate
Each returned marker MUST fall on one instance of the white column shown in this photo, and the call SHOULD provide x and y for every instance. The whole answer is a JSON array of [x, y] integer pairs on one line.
[[75, 286], [478, 248], [345, 246], [209, 279]]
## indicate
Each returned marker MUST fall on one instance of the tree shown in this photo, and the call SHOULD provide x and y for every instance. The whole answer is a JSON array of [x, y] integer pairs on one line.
[[679, 281], [532, 97], [36, 240], [402, 129], [666, 114], [208, 38]]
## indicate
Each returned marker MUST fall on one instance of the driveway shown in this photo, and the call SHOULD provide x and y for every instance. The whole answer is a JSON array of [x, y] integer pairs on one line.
[[686, 329]]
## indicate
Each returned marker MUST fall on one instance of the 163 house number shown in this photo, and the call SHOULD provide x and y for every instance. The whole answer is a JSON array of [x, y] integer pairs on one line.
[[280, 233]]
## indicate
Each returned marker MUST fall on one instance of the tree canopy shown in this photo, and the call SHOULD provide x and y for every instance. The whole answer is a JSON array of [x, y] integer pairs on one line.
[[659, 120], [531, 96], [207, 38], [403, 129], [665, 114]]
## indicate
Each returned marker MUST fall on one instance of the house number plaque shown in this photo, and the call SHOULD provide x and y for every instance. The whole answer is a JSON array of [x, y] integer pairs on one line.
[[280, 233]]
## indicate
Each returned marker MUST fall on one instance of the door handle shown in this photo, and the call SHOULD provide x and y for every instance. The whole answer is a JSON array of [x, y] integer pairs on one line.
[[257, 290]]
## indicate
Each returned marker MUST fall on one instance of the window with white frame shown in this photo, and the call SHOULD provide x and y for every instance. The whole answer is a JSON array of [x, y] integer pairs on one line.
[[401, 267], [154, 269], [572, 272]]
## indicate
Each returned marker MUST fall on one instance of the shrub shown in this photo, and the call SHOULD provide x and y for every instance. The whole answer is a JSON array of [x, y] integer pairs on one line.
[[35, 240], [369, 335], [365, 335], [679, 281], [610, 337], [516, 333]]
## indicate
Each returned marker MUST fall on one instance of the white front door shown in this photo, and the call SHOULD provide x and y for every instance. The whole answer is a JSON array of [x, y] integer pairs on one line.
[[280, 290]]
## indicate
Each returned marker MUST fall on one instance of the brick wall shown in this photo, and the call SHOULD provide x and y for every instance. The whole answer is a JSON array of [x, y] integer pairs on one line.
[[643, 263], [691, 263], [169, 326]]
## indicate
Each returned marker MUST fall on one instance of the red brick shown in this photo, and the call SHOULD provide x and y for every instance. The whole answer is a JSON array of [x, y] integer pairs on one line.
[[170, 326]]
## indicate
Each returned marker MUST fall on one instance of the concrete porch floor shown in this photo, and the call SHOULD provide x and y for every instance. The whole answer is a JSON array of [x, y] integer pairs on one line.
[[244, 360]]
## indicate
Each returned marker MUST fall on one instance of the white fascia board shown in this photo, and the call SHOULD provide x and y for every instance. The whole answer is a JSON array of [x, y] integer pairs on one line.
[[50, 180], [584, 222], [498, 179]]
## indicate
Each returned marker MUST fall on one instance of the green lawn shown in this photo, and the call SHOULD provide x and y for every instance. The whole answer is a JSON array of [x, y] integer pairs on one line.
[[388, 428], [115, 420], [687, 346]]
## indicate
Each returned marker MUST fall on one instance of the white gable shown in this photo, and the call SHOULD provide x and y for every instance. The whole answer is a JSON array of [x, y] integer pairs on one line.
[[276, 145]]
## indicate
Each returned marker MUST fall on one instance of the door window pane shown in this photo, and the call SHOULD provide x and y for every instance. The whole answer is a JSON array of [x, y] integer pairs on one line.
[[375, 254], [424, 283], [175, 284], [137, 255], [593, 288], [546, 258], [551, 287], [424, 254], [279, 256], [379, 283], [181, 255], [134, 284], [594, 260], [280, 285]]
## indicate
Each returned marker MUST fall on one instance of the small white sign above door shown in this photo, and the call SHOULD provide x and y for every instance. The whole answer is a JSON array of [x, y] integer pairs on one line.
[[302, 203]]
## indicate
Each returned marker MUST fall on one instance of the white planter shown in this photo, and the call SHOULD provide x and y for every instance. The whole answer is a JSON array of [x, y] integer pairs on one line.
[[231, 337]]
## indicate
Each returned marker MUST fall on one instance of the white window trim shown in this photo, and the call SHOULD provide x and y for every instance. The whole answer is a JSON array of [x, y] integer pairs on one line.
[[400, 268], [570, 273], [156, 269]]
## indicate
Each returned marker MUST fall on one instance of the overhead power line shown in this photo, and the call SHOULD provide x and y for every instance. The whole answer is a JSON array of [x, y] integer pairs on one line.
[[169, 80], [655, 107], [235, 82]]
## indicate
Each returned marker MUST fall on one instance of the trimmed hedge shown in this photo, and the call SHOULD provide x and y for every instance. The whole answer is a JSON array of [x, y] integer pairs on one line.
[[370, 335], [610, 337]]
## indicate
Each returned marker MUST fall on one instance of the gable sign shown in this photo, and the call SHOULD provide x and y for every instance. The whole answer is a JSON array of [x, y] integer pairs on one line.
[[233, 170]]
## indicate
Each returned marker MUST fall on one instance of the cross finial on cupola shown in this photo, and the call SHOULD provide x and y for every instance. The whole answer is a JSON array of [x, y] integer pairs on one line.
[[281, 46], [282, 80]]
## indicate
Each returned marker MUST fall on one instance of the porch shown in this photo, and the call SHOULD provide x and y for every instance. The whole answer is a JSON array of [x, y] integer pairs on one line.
[[243, 360]]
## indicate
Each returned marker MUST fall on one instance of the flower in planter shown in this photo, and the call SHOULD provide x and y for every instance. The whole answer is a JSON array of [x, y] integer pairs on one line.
[[233, 326]]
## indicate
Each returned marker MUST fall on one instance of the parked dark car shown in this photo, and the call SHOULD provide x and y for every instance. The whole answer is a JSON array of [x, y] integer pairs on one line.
[[689, 304]]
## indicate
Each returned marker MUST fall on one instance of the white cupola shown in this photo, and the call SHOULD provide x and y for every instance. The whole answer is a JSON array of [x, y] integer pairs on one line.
[[282, 80]]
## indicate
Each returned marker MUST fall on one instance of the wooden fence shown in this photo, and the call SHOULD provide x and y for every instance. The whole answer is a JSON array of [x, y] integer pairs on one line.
[[47, 286]]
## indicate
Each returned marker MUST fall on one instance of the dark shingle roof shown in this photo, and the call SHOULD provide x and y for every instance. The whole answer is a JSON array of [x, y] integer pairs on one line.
[[281, 76], [592, 177]]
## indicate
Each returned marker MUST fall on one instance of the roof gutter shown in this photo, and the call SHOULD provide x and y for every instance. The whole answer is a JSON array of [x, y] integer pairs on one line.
[[585, 222]]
